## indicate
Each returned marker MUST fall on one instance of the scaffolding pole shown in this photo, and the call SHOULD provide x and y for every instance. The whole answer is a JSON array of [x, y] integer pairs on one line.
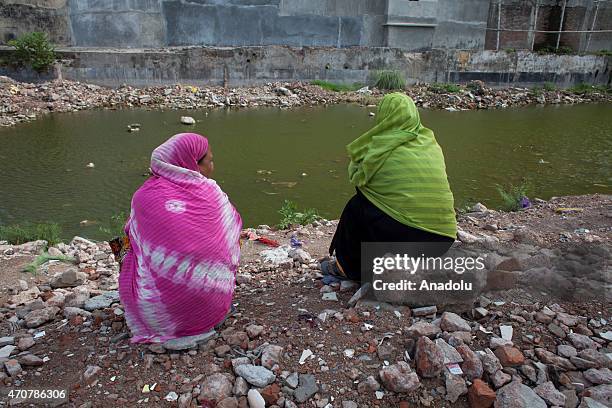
[[561, 24], [535, 24], [588, 44], [498, 23]]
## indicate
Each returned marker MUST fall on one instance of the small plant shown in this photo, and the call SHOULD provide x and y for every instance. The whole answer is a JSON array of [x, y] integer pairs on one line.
[[466, 206], [552, 50], [583, 88], [291, 216], [564, 50], [549, 86], [536, 91], [20, 234], [389, 80], [439, 87], [510, 50], [34, 50], [42, 259], [603, 53], [513, 196], [115, 225], [330, 86]]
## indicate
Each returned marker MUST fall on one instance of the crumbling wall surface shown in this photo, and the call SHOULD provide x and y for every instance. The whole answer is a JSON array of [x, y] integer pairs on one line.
[[243, 66], [117, 23], [461, 25], [18, 17]]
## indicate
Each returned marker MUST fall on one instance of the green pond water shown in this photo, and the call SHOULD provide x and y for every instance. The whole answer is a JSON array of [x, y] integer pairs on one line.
[[43, 176]]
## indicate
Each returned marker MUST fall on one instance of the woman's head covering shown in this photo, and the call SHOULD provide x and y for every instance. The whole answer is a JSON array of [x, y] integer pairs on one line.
[[177, 158], [399, 166], [397, 111], [397, 122]]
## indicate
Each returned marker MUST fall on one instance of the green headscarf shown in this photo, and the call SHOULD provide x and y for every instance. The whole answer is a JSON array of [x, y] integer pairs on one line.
[[399, 167]]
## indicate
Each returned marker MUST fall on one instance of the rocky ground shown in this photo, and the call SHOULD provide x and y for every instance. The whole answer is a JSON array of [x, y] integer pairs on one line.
[[21, 102], [537, 335]]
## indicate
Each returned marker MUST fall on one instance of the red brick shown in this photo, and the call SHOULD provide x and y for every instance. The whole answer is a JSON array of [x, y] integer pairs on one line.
[[510, 356], [481, 395]]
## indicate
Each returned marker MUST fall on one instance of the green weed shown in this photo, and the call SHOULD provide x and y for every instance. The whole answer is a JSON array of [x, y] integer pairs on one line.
[[115, 225], [330, 86], [389, 80], [21, 233], [444, 88], [511, 195], [33, 50], [290, 215]]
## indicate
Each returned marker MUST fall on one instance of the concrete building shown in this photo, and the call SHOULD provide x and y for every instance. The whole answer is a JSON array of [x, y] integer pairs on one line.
[[413, 25], [242, 42]]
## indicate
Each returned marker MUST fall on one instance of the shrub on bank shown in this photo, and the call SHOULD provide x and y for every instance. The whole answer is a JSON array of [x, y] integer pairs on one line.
[[439, 87], [290, 215], [20, 234], [583, 88], [33, 50], [389, 80], [513, 196], [330, 86], [115, 225]]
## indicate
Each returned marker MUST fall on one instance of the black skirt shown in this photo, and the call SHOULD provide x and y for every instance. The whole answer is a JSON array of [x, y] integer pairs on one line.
[[361, 221]]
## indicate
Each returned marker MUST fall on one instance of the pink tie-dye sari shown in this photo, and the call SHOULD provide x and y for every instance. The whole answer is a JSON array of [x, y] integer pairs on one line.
[[178, 277]]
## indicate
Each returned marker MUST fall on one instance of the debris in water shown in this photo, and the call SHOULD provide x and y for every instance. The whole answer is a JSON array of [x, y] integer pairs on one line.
[[288, 184], [90, 165], [187, 120], [134, 127]]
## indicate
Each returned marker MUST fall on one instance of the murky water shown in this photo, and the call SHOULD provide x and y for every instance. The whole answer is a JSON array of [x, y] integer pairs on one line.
[[43, 174]]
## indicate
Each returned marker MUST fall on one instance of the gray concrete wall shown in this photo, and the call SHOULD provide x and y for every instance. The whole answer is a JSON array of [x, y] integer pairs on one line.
[[256, 65], [440, 24], [410, 25]]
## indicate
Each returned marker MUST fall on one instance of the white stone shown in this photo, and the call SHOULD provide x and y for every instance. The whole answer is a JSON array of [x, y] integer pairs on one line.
[[255, 399], [187, 120]]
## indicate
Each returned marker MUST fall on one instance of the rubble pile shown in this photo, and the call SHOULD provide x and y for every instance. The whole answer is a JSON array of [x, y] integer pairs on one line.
[[291, 344], [21, 102]]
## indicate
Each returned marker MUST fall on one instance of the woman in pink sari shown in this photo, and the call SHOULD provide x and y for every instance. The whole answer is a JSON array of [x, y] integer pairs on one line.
[[177, 279]]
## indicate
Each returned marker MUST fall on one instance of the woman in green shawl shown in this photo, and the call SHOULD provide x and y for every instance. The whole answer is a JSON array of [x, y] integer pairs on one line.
[[403, 193]]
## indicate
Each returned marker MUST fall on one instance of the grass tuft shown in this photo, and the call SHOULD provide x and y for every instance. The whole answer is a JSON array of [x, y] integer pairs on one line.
[[21, 233], [512, 195], [330, 86], [290, 215], [583, 88], [115, 225], [389, 80], [444, 88]]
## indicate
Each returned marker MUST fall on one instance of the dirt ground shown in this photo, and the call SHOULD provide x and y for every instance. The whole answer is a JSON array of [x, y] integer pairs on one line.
[[288, 304]]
